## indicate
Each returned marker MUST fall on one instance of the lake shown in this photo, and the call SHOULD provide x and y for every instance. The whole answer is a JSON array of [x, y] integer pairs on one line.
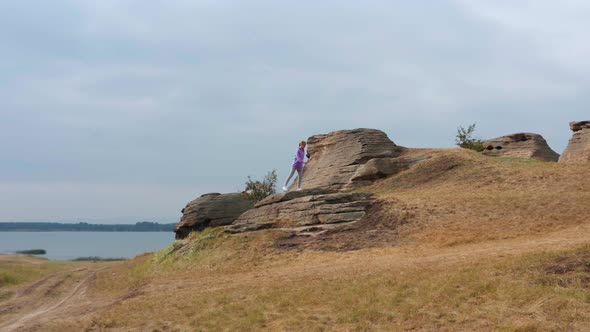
[[71, 245]]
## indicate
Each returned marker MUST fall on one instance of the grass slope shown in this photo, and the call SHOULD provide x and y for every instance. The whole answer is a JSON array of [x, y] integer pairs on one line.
[[460, 196], [15, 269], [470, 243]]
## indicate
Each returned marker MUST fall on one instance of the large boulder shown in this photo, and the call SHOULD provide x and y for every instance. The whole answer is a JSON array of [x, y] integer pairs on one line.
[[334, 158], [578, 149], [339, 162], [316, 209], [211, 210], [525, 145]]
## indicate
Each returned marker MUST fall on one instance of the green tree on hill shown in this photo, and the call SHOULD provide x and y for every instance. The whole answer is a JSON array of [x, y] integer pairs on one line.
[[466, 140]]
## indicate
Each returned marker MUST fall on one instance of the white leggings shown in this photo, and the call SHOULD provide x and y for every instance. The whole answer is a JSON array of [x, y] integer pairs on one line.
[[299, 177]]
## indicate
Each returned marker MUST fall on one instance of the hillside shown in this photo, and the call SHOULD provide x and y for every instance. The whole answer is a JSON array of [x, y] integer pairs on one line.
[[460, 241], [462, 197]]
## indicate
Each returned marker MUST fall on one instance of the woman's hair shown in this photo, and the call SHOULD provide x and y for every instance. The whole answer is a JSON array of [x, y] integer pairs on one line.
[[303, 142]]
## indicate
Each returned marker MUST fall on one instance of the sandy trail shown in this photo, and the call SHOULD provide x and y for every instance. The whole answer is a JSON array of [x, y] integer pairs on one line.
[[63, 294], [49, 297]]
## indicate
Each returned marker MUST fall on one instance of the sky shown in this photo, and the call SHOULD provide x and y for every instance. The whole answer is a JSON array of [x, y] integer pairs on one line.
[[125, 110]]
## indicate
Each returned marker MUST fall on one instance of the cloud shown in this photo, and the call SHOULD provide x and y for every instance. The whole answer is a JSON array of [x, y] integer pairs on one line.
[[551, 32]]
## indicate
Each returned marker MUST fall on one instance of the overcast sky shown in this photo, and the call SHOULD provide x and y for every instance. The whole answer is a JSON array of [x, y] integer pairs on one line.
[[119, 110]]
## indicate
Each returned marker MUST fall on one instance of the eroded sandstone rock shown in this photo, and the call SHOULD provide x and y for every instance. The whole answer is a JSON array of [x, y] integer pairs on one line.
[[211, 210], [334, 158], [378, 168], [313, 207], [338, 162], [578, 148], [525, 145], [579, 125]]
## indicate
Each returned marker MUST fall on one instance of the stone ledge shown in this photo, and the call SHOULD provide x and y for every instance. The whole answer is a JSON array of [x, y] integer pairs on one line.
[[304, 208]]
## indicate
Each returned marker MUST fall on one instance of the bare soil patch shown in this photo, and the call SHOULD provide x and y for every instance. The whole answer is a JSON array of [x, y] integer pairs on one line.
[[569, 270]]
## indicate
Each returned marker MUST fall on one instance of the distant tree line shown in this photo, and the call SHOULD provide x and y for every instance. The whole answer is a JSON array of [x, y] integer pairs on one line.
[[144, 226]]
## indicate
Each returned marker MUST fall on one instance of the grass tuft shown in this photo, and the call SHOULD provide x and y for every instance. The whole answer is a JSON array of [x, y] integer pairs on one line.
[[8, 278], [17, 269]]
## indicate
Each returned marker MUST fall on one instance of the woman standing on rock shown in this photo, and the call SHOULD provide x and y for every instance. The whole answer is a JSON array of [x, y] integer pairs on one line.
[[297, 166]]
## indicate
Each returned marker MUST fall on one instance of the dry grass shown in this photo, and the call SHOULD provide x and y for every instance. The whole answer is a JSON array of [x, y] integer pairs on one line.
[[19, 269], [481, 244], [368, 290], [462, 197]]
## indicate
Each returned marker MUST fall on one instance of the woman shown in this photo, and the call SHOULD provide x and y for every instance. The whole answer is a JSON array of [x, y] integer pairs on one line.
[[297, 166]]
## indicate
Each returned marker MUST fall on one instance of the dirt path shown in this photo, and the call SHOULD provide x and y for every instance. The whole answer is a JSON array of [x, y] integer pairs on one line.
[[49, 297]]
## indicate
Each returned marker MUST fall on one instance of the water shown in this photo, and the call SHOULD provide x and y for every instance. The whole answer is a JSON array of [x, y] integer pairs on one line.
[[71, 245]]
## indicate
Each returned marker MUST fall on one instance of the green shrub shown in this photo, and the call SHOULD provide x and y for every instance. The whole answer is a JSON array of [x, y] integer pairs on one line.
[[257, 190], [466, 140]]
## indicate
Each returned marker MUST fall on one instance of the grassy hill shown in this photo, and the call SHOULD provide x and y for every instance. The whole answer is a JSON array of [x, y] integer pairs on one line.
[[459, 242]]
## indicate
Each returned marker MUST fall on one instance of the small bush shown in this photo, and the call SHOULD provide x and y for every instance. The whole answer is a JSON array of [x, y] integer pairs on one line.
[[257, 190], [466, 140]]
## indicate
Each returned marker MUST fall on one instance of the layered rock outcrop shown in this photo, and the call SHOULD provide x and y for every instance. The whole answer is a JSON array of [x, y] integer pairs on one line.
[[338, 162], [310, 210], [578, 148], [211, 210], [525, 145], [378, 168], [334, 158]]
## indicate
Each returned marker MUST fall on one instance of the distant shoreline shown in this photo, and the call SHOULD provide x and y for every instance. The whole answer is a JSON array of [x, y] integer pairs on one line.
[[79, 231], [144, 226]]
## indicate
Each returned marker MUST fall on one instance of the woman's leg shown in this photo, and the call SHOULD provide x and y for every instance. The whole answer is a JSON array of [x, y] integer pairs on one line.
[[289, 178], [299, 177]]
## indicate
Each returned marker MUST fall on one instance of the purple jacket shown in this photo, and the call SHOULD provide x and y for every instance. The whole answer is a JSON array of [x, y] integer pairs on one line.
[[298, 160]]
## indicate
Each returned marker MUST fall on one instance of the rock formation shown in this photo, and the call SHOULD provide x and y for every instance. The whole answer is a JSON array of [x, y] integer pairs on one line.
[[334, 158], [211, 210], [338, 162], [378, 168], [526, 145], [309, 210], [578, 149]]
